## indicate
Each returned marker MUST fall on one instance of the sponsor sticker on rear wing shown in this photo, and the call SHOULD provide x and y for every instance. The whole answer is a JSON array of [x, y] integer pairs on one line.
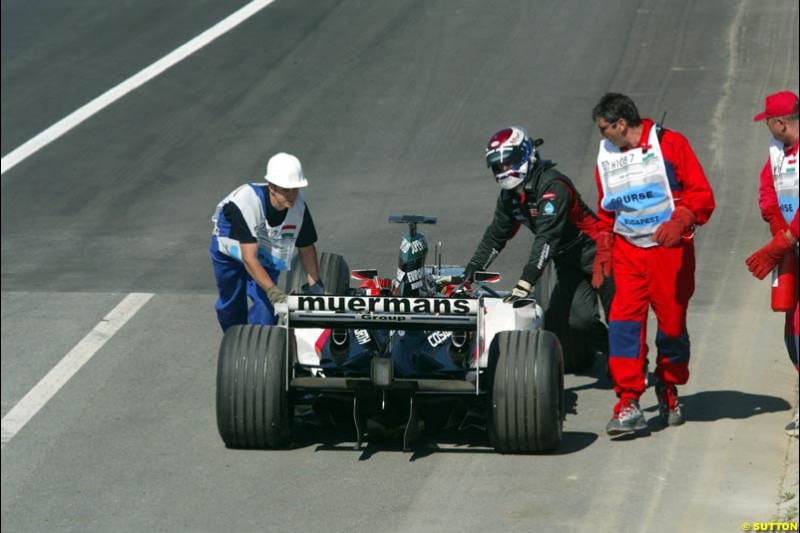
[[309, 311]]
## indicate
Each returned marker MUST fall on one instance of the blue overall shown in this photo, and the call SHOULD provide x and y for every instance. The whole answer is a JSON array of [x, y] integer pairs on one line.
[[235, 285]]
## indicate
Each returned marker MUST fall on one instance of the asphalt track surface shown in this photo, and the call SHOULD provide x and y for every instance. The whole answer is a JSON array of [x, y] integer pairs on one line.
[[388, 105]]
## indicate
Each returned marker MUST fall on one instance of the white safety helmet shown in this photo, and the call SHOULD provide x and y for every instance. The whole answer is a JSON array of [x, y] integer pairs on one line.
[[510, 154], [285, 170]]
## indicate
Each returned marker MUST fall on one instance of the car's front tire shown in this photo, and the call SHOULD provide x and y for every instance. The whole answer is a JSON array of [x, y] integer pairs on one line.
[[333, 271], [577, 349]]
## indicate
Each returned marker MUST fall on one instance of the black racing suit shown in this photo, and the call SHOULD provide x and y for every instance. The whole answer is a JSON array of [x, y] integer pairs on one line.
[[564, 228]]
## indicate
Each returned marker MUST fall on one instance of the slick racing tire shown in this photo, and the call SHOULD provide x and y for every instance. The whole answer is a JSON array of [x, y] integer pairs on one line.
[[333, 271], [527, 392], [252, 402]]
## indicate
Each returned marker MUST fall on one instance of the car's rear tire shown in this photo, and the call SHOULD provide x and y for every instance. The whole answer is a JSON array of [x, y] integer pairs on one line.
[[527, 392], [333, 271], [252, 402]]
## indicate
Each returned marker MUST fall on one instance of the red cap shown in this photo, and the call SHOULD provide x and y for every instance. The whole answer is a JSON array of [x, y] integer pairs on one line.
[[778, 105]]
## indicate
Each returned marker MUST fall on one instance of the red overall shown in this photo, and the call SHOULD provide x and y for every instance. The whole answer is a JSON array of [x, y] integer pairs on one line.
[[771, 212], [657, 276]]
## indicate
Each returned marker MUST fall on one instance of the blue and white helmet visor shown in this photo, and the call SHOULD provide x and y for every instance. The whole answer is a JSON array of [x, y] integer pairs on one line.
[[509, 165]]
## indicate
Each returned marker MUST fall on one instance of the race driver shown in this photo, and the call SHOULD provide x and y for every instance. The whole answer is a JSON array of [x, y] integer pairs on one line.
[[536, 195]]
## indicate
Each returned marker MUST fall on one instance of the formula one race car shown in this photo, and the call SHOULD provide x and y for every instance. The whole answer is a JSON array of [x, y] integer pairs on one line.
[[394, 351]]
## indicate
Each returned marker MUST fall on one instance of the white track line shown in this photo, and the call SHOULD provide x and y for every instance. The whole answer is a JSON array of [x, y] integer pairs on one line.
[[39, 395], [61, 127]]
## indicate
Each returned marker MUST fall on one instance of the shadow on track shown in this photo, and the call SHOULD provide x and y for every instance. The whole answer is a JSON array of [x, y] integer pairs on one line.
[[710, 406]]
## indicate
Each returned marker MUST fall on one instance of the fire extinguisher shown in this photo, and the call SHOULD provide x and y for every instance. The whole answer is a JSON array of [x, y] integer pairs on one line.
[[784, 283]]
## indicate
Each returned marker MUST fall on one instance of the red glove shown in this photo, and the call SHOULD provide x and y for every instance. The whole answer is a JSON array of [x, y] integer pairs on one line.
[[602, 258], [670, 232], [764, 260]]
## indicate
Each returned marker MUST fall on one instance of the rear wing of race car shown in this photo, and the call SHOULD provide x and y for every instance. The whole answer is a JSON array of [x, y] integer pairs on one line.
[[385, 312]]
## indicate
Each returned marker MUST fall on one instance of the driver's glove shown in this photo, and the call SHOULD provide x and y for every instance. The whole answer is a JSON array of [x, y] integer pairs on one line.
[[520, 291], [316, 288], [275, 295]]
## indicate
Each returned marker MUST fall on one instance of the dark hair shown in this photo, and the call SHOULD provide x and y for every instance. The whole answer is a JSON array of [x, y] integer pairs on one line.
[[795, 115], [614, 106]]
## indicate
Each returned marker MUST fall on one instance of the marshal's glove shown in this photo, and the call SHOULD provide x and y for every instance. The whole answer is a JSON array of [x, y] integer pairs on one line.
[[520, 291], [670, 232], [602, 259], [764, 260], [317, 288], [275, 295]]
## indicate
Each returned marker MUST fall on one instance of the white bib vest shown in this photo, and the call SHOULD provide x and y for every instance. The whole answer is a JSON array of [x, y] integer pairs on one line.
[[275, 244], [636, 188], [786, 179]]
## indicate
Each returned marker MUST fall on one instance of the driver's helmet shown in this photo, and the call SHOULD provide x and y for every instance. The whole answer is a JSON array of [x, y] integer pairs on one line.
[[411, 265], [510, 155]]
